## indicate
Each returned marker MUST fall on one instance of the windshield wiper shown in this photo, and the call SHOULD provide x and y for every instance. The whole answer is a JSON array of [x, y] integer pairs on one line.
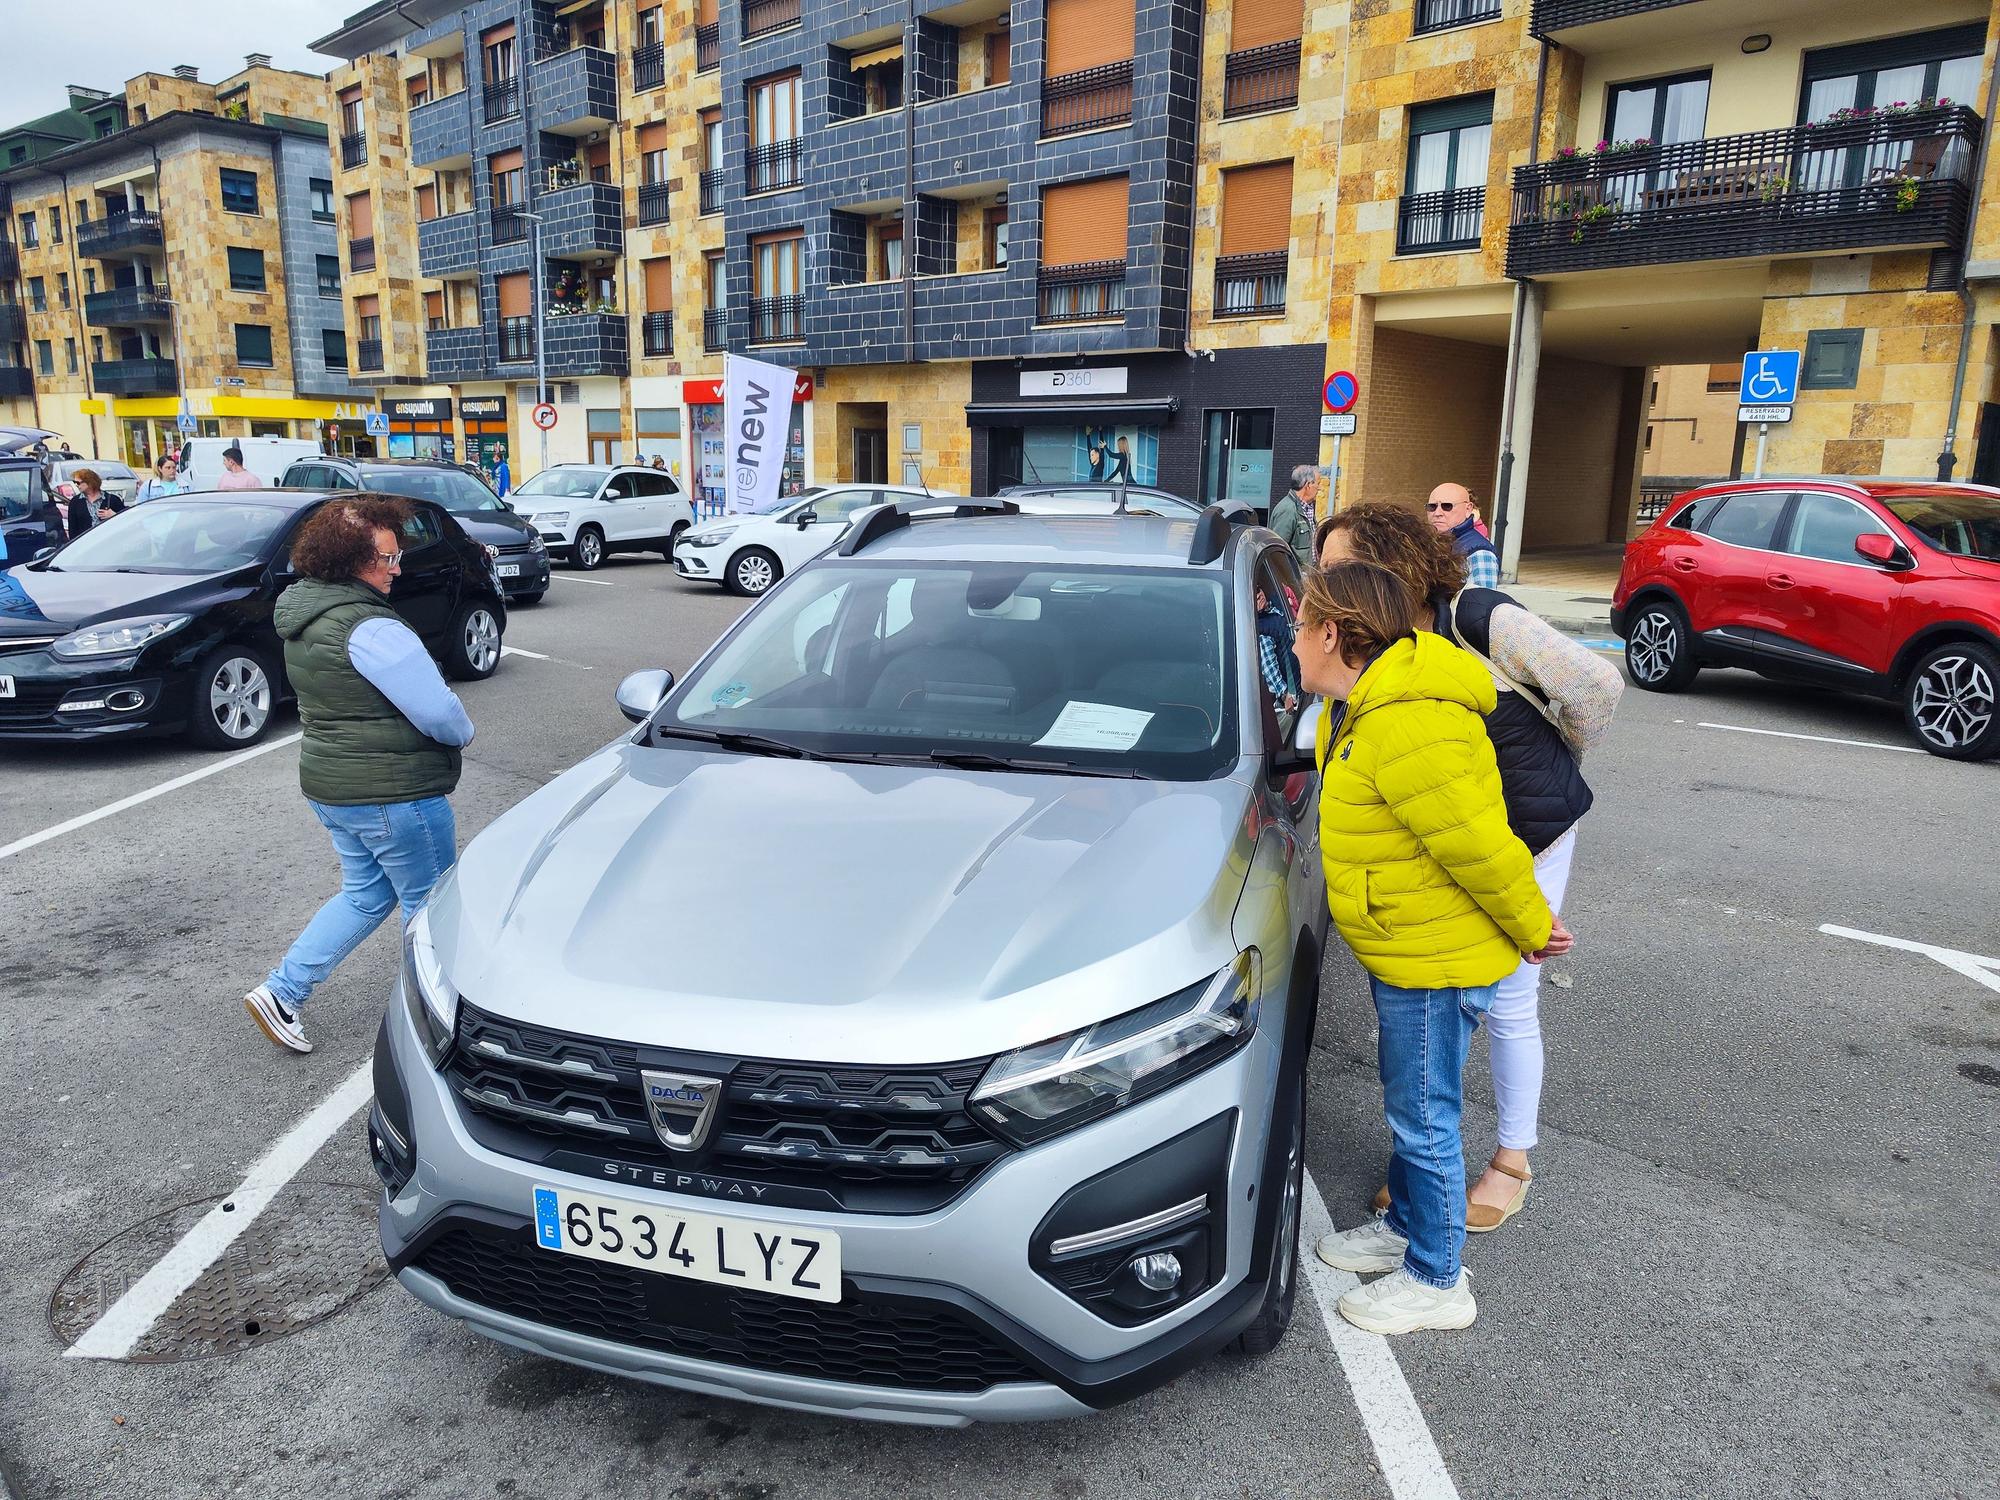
[[980, 760], [732, 739]]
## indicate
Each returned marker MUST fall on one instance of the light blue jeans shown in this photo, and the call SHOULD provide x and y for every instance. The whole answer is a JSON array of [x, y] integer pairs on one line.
[[390, 853]]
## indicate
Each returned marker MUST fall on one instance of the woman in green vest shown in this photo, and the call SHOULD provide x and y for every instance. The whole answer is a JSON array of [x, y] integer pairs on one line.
[[382, 740]]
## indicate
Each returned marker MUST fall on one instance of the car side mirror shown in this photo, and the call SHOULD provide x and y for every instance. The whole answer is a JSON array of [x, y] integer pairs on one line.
[[807, 519], [1884, 550], [641, 694], [1303, 752], [44, 555]]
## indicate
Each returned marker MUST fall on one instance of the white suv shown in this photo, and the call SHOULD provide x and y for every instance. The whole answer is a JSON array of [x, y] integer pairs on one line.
[[589, 511], [749, 553]]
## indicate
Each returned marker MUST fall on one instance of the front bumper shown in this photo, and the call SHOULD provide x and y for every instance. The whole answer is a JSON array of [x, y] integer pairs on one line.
[[964, 1267], [49, 698], [704, 563], [532, 579]]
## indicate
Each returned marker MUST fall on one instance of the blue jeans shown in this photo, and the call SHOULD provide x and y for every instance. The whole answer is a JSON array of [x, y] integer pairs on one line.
[[390, 852], [1425, 1035]]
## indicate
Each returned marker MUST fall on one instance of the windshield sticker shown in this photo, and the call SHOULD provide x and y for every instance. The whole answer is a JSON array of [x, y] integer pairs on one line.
[[730, 694], [1096, 726]]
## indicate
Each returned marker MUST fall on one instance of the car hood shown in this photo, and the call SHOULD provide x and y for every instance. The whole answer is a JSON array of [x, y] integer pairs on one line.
[[756, 906], [32, 599], [500, 528], [1978, 567]]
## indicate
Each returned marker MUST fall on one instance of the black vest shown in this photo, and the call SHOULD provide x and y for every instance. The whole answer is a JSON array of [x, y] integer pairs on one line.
[[1539, 776]]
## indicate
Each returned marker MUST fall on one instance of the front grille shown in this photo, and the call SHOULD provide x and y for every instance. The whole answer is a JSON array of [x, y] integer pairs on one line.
[[888, 1140], [32, 703], [858, 1339]]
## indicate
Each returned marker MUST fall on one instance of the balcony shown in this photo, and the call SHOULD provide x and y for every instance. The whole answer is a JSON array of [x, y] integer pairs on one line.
[[774, 167], [1428, 222], [582, 219], [1550, 17], [454, 353], [1250, 286], [361, 254], [715, 329], [1260, 78], [448, 246], [14, 321], [581, 344], [653, 203], [576, 91], [500, 99], [509, 225], [353, 150], [711, 191], [114, 235], [1093, 292], [1445, 15], [1895, 178], [761, 16], [777, 320], [135, 377], [16, 380], [708, 47], [10, 259], [517, 340], [649, 66], [120, 307], [1089, 100], [657, 331], [441, 133]]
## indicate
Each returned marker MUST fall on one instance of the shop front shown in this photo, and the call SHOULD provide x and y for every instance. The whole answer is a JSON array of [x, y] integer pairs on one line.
[[420, 427], [704, 403], [485, 419]]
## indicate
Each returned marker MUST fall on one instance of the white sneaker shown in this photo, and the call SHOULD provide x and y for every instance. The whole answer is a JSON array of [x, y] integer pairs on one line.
[[1372, 1246], [275, 1019], [1399, 1303]]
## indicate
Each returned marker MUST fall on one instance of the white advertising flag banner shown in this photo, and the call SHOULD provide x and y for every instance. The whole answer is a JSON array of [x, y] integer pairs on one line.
[[756, 416]]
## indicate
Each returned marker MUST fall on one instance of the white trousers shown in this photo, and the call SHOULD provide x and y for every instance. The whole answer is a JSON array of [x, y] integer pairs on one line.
[[1514, 1025]]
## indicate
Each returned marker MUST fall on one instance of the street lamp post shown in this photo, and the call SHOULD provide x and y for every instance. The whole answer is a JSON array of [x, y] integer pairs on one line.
[[541, 313]]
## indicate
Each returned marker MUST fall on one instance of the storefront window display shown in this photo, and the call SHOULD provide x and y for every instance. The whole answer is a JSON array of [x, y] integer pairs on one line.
[[1096, 451], [485, 430], [710, 483], [659, 436], [421, 428]]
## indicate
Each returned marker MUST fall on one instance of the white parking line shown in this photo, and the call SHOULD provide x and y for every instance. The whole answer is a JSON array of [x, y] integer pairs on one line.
[[1974, 966], [126, 1321], [603, 583], [1411, 1463], [84, 820], [517, 651], [1824, 739]]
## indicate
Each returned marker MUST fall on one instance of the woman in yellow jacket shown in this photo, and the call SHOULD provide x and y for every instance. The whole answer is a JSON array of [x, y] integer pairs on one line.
[[1437, 898]]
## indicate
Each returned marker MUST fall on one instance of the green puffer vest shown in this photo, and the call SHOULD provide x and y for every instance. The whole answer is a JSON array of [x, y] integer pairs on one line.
[[358, 750]]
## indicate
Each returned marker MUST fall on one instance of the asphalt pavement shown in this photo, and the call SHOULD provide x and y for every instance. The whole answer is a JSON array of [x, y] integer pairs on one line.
[[1758, 1259]]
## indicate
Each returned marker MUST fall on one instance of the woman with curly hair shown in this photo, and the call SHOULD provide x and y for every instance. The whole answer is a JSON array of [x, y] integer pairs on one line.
[[382, 739]]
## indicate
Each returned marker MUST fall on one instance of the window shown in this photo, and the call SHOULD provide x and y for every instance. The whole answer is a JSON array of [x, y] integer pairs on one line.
[[62, 289], [239, 191], [1252, 260], [1826, 527], [328, 267], [351, 122], [16, 155], [658, 434], [1444, 185], [97, 348], [1932, 65], [333, 346], [1833, 360], [1085, 222], [999, 56], [322, 200], [602, 430], [253, 345], [597, 161], [55, 225], [1236, 455], [420, 91], [653, 154], [774, 110], [496, 48], [38, 294], [996, 237], [434, 311], [715, 279], [777, 313], [246, 269], [82, 211], [507, 185], [1084, 34], [89, 279], [711, 139], [368, 319], [1747, 518], [69, 354], [1662, 110], [427, 202], [890, 261], [45, 357], [31, 231], [649, 27]]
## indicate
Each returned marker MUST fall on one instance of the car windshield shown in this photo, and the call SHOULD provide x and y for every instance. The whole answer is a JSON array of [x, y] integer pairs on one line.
[[169, 536], [1100, 670], [1952, 521], [453, 489], [562, 484]]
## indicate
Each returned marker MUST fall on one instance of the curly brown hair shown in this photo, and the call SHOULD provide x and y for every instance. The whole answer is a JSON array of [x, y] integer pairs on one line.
[[86, 479], [338, 539], [1401, 541], [1368, 604]]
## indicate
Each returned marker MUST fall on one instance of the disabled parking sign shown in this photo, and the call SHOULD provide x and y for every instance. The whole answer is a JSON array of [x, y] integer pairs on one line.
[[1770, 378]]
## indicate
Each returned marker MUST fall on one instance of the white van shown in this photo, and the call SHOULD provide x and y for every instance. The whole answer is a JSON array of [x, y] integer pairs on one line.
[[266, 457]]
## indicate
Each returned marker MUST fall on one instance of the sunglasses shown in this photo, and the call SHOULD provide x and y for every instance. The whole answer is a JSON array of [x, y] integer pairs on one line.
[[1440, 505]]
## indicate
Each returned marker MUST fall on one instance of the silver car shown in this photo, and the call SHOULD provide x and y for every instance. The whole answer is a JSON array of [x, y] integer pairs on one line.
[[910, 1019]]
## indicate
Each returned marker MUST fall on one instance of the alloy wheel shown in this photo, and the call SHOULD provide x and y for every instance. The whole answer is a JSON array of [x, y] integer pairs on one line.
[[1655, 643], [482, 640], [239, 698], [753, 574], [1952, 702], [589, 550]]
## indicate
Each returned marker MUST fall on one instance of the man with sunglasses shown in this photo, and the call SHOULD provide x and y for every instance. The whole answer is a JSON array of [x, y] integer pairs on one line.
[[1452, 512], [380, 759]]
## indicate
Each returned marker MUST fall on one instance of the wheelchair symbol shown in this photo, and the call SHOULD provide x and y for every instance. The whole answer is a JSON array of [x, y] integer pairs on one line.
[[1765, 385], [1771, 377]]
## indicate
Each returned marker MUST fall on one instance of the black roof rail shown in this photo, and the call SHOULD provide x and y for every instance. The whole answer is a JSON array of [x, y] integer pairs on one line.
[[878, 521], [1211, 535]]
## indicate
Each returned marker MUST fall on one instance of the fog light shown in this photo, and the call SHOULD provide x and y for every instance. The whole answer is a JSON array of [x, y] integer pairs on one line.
[[1160, 1272], [125, 700]]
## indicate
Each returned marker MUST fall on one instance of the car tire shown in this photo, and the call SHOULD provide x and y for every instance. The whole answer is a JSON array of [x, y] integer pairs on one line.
[[673, 541], [1950, 703], [472, 650], [235, 697], [753, 570], [1659, 647], [589, 552], [1281, 1293], [535, 598]]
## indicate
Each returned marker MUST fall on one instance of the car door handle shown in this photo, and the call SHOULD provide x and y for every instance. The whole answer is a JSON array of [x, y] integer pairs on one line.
[[1780, 580], [1685, 564]]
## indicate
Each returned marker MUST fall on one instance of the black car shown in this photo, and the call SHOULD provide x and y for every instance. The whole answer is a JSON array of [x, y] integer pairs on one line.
[[29, 521], [159, 620], [519, 558]]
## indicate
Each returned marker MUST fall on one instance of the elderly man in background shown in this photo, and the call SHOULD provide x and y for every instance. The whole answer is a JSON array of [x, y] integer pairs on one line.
[[1292, 517], [1452, 512]]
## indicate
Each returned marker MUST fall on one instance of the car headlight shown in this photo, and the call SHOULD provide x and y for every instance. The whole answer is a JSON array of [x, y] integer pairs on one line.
[[708, 538], [1035, 1092], [535, 544], [551, 520], [118, 637], [431, 998]]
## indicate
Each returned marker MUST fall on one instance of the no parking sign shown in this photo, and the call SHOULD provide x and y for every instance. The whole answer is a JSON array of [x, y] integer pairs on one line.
[[1341, 391]]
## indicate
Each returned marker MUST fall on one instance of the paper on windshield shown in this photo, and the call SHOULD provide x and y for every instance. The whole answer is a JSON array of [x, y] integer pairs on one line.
[[1096, 726]]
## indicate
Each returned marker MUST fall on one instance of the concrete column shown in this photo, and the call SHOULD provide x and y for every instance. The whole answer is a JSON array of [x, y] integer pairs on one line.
[[1513, 504]]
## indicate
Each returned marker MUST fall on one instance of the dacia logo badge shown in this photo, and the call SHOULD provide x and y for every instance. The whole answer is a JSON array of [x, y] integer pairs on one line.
[[681, 1107]]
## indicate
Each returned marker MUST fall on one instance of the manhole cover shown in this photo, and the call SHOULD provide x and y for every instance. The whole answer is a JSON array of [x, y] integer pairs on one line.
[[304, 1258]]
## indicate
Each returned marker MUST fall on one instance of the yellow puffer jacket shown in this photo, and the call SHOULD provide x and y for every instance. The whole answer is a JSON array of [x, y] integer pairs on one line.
[[1427, 883]]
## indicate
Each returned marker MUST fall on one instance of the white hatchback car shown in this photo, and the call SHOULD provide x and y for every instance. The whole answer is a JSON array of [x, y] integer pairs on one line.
[[589, 511], [748, 553]]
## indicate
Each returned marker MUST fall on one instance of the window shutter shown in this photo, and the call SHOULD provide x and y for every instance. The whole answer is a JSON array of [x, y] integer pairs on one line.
[[360, 217], [433, 307], [516, 295], [704, 12], [660, 285], [1087, 34], [653, 137], [427, 201], [504, 161], [1729, 375], [497, 35], [367, 307], [598, 155], [1085, 221], [1257, 209], [1451, 114], [999, 56], [1258, 23]]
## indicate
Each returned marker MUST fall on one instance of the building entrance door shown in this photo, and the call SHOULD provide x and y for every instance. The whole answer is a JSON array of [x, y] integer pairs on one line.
[[871, 455]]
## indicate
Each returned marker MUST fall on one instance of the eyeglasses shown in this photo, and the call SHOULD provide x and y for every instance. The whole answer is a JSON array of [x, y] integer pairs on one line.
[[391, 558], [1440, 505]]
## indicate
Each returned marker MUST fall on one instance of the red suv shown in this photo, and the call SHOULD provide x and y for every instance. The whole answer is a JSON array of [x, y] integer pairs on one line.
[[1887, 589]]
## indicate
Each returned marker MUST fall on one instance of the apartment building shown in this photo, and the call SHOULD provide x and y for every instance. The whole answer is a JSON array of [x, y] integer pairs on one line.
[[170, 249]]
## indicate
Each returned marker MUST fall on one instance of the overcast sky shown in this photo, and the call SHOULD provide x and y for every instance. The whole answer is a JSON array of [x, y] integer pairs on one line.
[[102, 43]]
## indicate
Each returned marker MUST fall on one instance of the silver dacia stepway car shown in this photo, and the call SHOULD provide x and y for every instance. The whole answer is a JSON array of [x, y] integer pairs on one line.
[[910, 1018]]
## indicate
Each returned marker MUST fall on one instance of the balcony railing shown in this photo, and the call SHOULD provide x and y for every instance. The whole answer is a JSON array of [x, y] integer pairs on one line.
[[1442, 15], [708, 47], [121, 306], [777, 320], [134, 377], [1551, 16], [715, 329], [10, 258], [1892, 177], [1250, 286], [509, 226], [1261, 78], [502, 98], [711, 191], [517, 340], [353, 149], [658, 331], [1089, 293], [454, 353], [368, 356], [1441, 221], [361, 254], [653, 203], [14, 321], [120, 234], [16, 380], [772, 168], [760, 16], [649, 66], [1088, 100]]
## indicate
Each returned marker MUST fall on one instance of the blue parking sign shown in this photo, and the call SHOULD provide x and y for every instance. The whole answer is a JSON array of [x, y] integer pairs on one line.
[[1770, 378]]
